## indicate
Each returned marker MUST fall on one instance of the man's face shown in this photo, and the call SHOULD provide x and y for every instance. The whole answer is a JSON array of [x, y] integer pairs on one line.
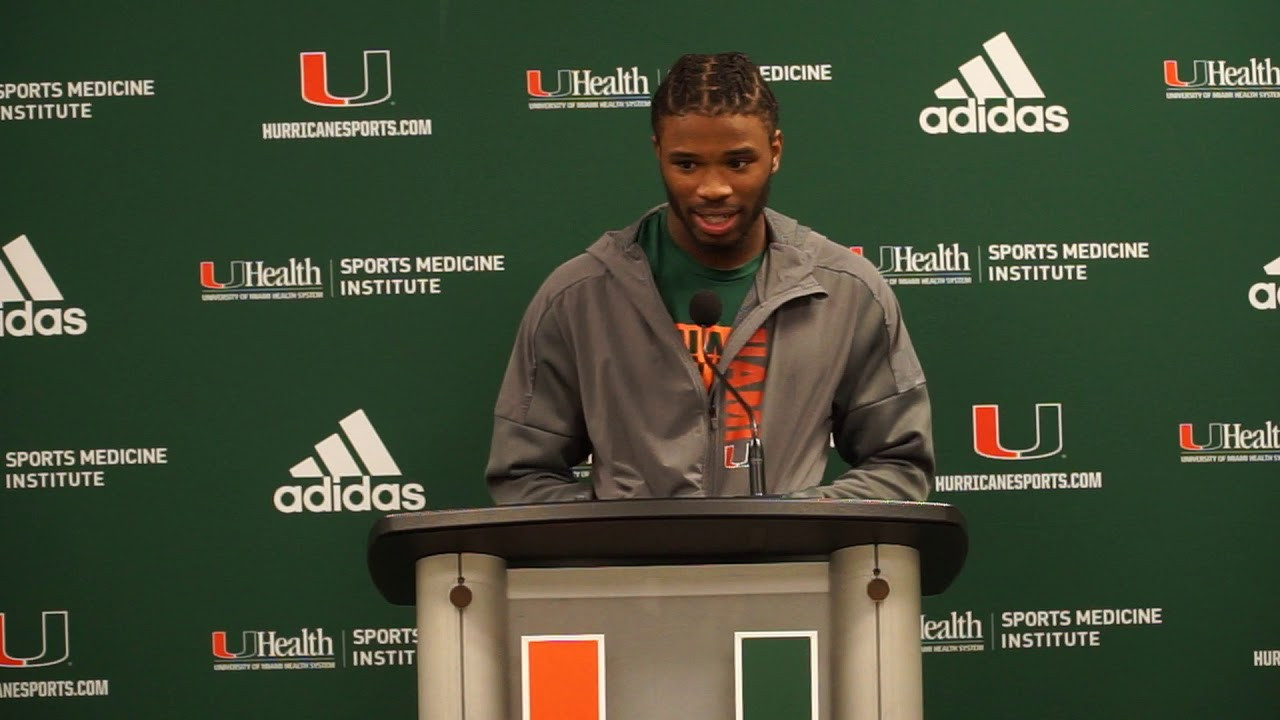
[[716, 170]]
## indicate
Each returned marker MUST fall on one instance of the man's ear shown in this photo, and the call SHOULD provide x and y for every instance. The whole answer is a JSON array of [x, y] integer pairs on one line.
[[656, 150], [775, 146]]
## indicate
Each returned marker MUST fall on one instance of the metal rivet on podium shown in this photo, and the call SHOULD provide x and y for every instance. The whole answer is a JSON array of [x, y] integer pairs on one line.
[[460, 596], [878, 589]]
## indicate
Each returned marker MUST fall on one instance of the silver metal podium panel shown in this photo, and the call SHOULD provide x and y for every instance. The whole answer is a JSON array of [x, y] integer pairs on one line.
[[669, 634]]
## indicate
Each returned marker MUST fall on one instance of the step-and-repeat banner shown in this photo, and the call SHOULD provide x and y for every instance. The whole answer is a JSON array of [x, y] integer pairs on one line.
[[261, 265]]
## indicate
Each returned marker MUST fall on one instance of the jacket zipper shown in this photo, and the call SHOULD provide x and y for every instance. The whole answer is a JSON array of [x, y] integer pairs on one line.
[[708, 475], [714, 464]]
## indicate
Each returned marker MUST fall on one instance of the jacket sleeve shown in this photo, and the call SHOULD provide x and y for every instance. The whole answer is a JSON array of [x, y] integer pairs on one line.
[[881, 421], [539, 432]]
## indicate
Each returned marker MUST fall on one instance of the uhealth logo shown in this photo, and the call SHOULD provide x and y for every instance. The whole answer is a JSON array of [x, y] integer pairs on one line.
[[55, 644], [329, 495], [249, 275], [256, 280], [583, 89], [1229, 442], [1218, 75], [268, 649], [943, 264], [1266, 295], [315, 80], [25, 320], [957, 633], [986, 433], [976, 116]]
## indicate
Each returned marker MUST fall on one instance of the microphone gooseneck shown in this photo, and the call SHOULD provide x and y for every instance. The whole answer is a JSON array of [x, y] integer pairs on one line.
[[705, 309]]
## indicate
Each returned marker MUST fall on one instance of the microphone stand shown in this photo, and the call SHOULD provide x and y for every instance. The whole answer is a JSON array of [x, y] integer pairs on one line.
[[755, 448]]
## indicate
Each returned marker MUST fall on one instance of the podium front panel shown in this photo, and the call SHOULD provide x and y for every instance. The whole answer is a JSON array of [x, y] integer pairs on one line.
[[676, 641]]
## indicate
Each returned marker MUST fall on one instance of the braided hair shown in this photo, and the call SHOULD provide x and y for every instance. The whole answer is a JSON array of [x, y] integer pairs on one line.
[[720, 84]]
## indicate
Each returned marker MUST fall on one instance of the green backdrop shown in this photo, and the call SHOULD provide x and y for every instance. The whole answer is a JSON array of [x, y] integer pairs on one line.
[[211, 284]]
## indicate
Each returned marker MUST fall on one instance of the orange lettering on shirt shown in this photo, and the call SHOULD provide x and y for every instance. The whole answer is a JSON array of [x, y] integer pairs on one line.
[[757, 346], [745, 374]]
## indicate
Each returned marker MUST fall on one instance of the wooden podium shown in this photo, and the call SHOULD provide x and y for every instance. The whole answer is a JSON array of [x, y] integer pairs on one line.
[[640, 609]]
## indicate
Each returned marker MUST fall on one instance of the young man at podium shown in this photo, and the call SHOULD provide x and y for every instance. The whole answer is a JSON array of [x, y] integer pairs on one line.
[[625, 356]]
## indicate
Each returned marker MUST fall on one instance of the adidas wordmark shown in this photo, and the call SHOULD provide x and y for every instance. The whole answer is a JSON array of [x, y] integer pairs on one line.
[[1002, 114], [25, 320], [330, 495]]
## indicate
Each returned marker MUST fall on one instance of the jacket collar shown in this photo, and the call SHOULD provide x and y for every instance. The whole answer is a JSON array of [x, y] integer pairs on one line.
[[785, 274], [788, 263]]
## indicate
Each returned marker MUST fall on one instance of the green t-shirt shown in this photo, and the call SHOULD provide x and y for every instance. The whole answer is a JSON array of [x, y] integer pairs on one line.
[[679, 276]]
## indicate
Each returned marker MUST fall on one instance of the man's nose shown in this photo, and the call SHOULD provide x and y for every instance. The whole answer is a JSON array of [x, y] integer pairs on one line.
[[713, 187]]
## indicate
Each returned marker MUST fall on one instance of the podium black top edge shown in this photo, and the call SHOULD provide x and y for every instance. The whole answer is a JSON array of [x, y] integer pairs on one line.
[[675, 531], [887, 510]]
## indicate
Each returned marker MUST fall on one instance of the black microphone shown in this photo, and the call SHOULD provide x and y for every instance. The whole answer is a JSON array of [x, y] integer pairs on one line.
[[705, 309]]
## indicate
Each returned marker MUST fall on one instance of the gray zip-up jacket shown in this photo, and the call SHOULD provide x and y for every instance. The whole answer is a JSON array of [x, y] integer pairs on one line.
[[599, 368]]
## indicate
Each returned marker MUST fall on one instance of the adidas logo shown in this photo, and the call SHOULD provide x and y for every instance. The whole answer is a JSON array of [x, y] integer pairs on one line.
[[976, 115], [1266, 295], [330, 495], [25, 320]]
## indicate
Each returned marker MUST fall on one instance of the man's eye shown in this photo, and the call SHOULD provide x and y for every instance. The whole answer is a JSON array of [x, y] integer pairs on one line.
[[684, 164], [738, 163]]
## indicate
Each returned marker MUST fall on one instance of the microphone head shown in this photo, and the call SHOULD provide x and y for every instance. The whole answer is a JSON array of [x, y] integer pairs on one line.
[[705, 308]]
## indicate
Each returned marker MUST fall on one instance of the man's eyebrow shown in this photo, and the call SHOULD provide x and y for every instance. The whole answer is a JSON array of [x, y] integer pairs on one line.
[[745, 151], [679, 155]]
